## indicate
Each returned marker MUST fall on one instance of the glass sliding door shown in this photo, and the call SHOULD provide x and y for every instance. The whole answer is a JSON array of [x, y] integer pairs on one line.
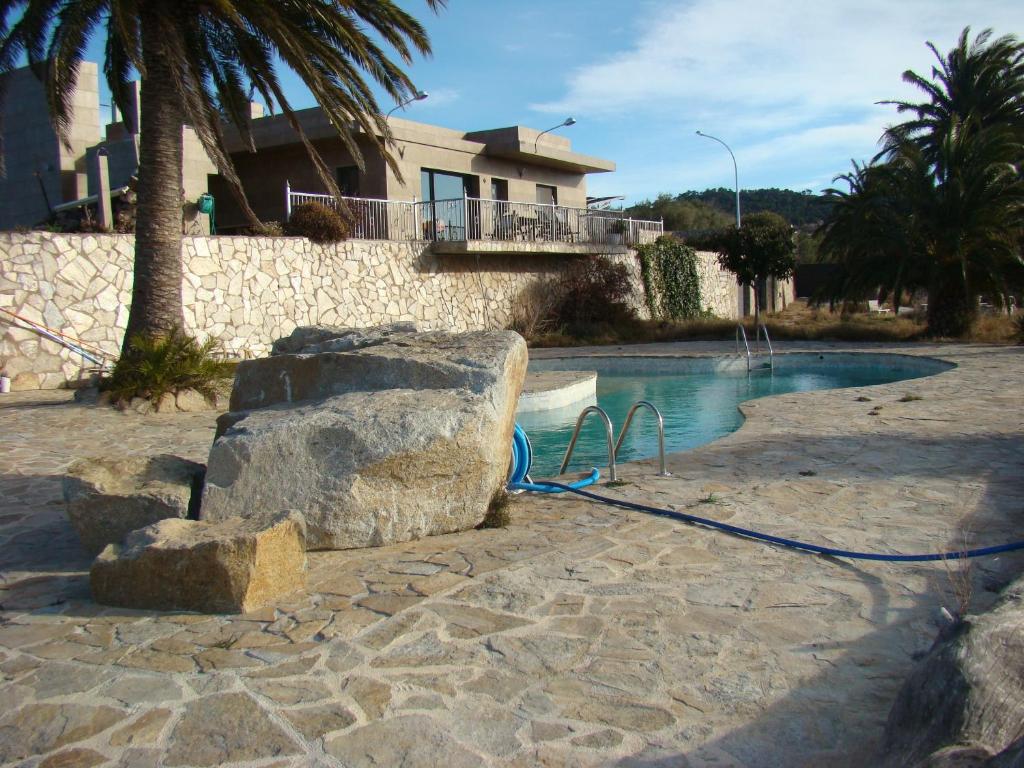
[[445, 193]]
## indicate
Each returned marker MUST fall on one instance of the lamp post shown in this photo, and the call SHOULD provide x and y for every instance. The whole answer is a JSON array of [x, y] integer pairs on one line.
[[735, 169], [564, 124], [418, 96]]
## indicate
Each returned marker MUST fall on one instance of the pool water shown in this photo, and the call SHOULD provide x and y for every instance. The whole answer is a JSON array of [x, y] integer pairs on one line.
[[697, 408]]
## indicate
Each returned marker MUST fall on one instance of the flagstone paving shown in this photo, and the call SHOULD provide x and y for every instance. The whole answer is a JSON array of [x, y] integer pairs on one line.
[[580, 635]]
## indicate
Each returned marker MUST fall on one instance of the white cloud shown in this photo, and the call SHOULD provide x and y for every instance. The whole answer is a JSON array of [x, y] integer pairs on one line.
[[776, 79]]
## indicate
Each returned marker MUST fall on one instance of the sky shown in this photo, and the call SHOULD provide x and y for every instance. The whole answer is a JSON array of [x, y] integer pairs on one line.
[[790, 85]]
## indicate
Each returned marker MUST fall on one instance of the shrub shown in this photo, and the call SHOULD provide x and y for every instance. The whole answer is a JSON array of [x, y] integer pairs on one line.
[[592, 292], [317, 222], [532, 313], [265, 229], [498, 515], [671, 280], [162, 364]]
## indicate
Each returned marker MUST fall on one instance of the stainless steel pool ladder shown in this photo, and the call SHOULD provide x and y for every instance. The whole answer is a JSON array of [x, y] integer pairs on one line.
[[661, 433], [608, 433], [741, 333], [771, 352]]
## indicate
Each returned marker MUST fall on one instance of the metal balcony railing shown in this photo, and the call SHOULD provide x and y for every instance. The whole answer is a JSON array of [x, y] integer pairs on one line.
[[470, 218]]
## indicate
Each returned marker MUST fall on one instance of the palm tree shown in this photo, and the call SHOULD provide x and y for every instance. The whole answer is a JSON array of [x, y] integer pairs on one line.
[[870, 232], [199, 61], [946, 206], [975, 86]]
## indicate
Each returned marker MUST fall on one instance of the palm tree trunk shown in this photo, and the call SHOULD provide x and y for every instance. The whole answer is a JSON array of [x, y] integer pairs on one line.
[[156, 293], [952, 309]]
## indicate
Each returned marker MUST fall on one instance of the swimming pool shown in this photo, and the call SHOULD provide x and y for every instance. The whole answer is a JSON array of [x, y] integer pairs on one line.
[[698, 398]]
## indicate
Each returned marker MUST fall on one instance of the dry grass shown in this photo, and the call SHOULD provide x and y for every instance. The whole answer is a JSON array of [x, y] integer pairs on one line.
[[798, 322]]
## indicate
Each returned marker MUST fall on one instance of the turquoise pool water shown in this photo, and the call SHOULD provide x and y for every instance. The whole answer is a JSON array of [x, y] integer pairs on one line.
[[698, 405]]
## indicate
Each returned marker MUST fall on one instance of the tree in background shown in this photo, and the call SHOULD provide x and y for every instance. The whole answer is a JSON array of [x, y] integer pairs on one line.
[[945, 204], [198, 62], [680, 215], [762, 248]]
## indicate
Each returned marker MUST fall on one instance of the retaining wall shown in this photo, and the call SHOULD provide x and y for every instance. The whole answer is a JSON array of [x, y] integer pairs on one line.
[[247, 291]]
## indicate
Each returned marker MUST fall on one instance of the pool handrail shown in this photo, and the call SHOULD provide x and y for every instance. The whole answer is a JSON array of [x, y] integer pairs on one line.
[[741, 331], [768, 341], [662, 472], [608, 432]]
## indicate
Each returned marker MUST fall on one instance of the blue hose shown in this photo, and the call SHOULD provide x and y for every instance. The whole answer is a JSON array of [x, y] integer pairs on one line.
[[814, 549], [546, 486], [522, 460]]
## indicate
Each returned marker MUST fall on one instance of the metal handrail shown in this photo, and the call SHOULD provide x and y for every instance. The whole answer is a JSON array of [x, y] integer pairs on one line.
[[768, 341], [94, 355], [741, 331], [576, 433], [661, 433]]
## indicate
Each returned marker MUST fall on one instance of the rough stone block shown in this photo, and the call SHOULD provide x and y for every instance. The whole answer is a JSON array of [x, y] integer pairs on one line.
[[967, 693], [379, 445], [234, 566], [108, 498]]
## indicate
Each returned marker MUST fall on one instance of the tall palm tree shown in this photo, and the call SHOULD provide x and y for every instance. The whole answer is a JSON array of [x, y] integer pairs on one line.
[[199, 61], [975, 86], [948, 200]]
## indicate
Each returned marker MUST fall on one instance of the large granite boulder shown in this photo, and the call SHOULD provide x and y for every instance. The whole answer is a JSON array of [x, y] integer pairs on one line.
[[234, 566], [315, 339], [381, 444], [108, 498], [964, 702]]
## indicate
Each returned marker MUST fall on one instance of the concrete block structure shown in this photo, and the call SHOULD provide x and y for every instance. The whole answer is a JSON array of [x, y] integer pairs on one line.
[[41, 172]]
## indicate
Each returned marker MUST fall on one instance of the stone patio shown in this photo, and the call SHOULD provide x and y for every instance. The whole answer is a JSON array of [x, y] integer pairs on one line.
[[581, 635]]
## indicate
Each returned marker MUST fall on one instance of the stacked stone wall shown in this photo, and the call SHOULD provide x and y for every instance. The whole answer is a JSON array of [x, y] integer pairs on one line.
[[245, 292]]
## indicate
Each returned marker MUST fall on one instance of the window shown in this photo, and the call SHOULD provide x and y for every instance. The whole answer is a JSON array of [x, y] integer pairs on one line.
[[441, 185], [348, 180], [499, 189], [547, 195]]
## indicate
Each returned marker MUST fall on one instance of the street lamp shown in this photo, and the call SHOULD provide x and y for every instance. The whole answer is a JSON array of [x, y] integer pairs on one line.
[[418, 96], [564, 124], [735, 169]]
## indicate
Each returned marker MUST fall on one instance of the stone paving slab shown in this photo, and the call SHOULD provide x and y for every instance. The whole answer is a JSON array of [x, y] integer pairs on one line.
[[581, 635]]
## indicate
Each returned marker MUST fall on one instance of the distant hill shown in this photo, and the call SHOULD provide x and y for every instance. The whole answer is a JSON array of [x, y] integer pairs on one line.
[[712, 208], [800, 209]]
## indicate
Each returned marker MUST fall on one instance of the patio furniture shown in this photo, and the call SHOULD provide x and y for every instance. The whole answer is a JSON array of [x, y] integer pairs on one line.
[[875, 309]]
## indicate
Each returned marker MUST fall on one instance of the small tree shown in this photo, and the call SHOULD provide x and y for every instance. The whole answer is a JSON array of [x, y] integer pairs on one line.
[[763, 247]]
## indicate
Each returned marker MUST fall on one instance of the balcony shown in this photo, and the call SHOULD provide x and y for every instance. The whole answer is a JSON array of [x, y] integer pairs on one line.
[[477, 226]]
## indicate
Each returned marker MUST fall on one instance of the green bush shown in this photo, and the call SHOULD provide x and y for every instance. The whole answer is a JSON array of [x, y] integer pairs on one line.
[[671, 280], [317, 222], [155, 366]]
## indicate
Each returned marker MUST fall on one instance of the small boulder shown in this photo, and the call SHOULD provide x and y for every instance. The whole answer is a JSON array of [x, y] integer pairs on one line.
[[108, 498], [234, 566]]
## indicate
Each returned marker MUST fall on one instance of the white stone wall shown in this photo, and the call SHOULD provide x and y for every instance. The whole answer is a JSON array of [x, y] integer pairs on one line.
[[718, 289], [245, 292]]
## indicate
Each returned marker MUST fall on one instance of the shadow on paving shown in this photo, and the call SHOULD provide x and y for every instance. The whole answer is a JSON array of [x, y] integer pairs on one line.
[[794, 731]]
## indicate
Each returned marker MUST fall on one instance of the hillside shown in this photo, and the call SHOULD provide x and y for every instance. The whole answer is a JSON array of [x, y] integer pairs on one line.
[[713, 208]]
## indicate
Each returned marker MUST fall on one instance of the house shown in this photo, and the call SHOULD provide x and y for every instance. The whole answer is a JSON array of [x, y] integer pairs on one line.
[[501, 189], [45, 177], [507, 190]]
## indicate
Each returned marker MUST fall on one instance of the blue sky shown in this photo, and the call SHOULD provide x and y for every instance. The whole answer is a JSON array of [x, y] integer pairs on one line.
[[790, 85]]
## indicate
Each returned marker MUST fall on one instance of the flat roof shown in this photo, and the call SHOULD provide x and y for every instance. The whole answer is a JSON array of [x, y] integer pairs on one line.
[[518, 143]]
